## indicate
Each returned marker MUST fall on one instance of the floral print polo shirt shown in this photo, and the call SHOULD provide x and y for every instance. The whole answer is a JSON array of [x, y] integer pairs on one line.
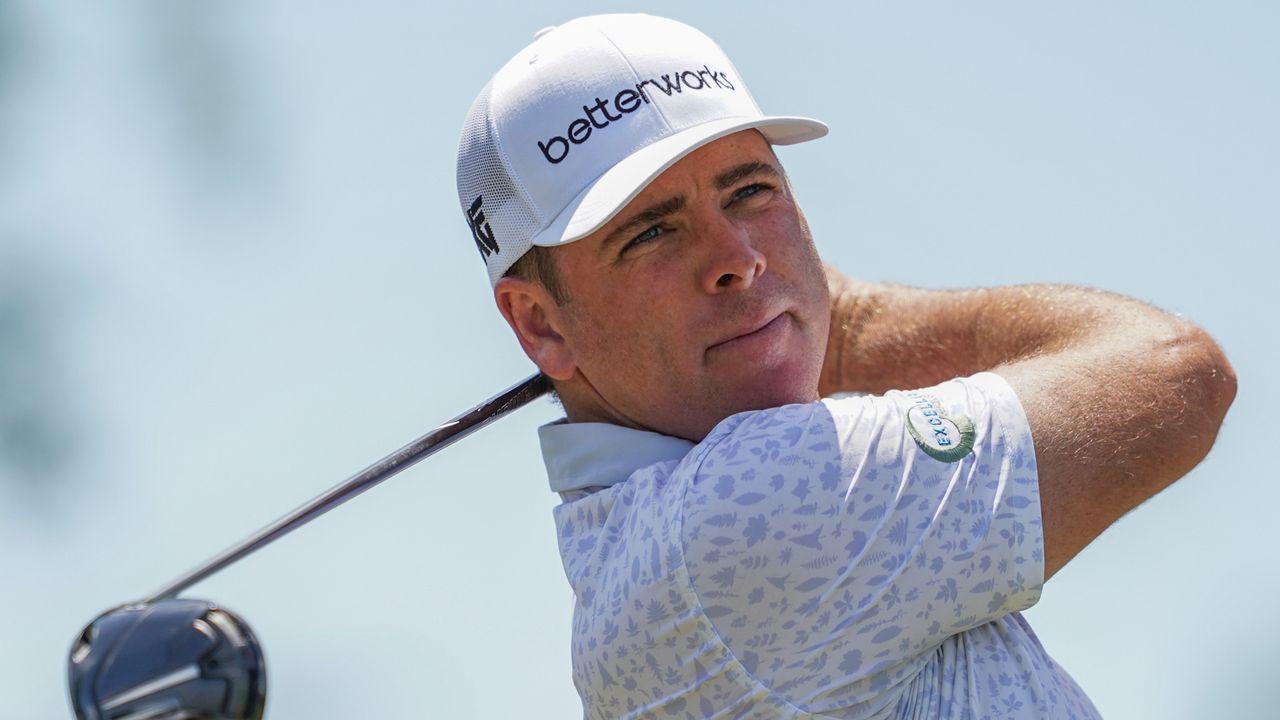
[[854, 558]]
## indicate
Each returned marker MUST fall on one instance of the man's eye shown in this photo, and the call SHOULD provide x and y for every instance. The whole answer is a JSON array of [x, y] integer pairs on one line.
[[643, 238], [750, 190]]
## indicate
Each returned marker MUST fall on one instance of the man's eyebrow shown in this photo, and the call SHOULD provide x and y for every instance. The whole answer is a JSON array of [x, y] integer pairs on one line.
[[646, 217], [658, 211], [736, 174]]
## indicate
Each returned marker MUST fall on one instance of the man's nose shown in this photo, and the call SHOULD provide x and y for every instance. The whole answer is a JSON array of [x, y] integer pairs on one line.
[[733, 262]]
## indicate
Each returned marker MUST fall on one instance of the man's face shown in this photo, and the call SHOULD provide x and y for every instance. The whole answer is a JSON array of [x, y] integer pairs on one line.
[[702, 298]]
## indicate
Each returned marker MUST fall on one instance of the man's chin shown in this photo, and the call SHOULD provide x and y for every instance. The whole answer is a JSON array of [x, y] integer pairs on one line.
[[784, 381], [766, 391], [763, 398]]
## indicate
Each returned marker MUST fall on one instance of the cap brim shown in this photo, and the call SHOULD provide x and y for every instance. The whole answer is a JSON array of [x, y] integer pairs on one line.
[[609, 193]]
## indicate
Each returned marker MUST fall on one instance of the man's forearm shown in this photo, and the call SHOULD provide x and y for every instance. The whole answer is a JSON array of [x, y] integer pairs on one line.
[[1122, 399], [890, 336]]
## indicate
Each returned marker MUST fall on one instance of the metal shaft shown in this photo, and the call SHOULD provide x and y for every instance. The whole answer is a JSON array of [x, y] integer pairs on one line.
[[468, 422]]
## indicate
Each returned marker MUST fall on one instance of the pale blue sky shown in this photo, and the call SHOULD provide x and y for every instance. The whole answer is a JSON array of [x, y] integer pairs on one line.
[[233, 272]]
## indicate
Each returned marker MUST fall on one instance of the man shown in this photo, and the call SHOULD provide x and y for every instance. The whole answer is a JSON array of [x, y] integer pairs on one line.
[[737, 547]]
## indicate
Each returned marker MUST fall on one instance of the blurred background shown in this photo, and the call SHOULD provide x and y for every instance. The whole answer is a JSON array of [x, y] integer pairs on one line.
[[233, 272]]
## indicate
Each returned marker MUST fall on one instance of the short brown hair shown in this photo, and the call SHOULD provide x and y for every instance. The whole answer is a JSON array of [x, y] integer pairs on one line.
[[539, 266]]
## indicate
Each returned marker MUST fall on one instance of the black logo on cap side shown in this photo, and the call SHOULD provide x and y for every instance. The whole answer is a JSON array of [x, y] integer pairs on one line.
[[480, 230]]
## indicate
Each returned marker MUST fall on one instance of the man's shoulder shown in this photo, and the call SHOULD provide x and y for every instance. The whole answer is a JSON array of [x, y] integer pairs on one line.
[[941, 425], [783, 419], [753, 454], [985, 391], [792, 427], [781, 427]]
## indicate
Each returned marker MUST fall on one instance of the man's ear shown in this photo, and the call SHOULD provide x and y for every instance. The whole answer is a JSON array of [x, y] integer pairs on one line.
[[536, 320]]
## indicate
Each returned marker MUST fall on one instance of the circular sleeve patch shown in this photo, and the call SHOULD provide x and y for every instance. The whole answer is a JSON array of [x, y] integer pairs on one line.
[[940, 436]]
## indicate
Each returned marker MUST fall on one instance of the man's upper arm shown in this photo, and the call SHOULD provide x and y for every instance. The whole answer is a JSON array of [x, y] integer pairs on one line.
[[1113, 424], [833, 545]]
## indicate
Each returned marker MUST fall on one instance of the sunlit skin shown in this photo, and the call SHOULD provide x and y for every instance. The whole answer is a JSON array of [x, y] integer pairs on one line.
[[703, 297]]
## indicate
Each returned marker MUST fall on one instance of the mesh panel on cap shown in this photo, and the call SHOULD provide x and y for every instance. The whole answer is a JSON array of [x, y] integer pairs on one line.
[[483, 173]]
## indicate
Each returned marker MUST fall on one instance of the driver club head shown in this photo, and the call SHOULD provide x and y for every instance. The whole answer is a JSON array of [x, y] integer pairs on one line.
[[175, 659]]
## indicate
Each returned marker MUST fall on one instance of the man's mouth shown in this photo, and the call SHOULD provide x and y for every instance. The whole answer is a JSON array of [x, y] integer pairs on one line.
[[763, 331]]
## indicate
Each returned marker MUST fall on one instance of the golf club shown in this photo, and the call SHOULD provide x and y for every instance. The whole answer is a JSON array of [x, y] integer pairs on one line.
[[170, 658], [175, 659]]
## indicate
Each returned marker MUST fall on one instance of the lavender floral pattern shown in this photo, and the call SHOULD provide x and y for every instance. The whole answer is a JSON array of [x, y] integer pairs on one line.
[[812, 561]]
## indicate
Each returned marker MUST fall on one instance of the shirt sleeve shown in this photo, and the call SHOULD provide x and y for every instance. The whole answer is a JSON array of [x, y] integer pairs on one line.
[[834, 545]]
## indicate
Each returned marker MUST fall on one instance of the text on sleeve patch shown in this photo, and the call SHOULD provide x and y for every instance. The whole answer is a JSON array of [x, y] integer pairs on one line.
[[941, 437]]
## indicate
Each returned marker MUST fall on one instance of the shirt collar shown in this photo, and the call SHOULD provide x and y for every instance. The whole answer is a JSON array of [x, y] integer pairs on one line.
[[585, 455]]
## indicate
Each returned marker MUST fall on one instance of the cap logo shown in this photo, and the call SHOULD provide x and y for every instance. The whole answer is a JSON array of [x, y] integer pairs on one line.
[[628, 100], [480, 230]]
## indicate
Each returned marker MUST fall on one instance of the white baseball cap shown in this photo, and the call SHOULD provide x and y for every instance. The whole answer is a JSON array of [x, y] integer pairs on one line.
[[580, 121]]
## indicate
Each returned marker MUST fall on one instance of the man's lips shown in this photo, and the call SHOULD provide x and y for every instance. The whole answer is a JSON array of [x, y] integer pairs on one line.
[[756, 331]]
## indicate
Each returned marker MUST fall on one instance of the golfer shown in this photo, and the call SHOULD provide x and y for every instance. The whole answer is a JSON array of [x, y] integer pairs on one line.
[[740, 543]]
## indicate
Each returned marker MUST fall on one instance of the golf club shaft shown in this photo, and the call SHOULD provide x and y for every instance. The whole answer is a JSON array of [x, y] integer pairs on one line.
[[514, 397]]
